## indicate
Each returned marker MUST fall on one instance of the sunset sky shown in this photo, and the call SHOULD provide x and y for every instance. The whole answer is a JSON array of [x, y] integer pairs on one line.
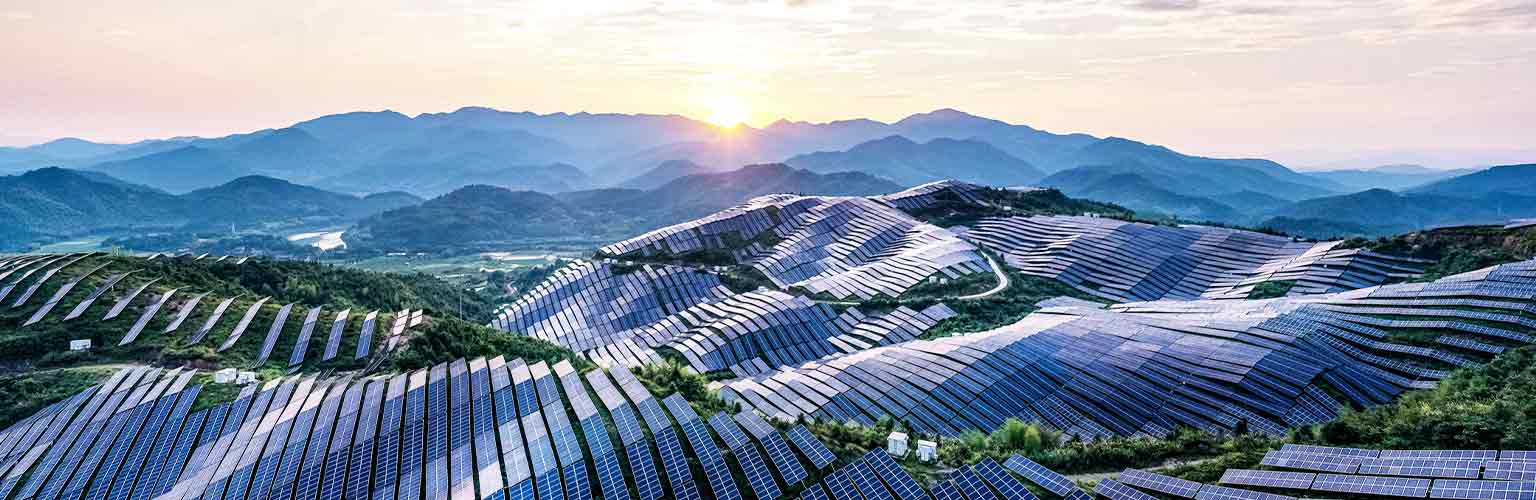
[[1300, 80]]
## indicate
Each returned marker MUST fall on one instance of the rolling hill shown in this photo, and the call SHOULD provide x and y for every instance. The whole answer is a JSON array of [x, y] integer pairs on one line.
[[54, 203], [910, 163], [1394, 177], [485, 217]]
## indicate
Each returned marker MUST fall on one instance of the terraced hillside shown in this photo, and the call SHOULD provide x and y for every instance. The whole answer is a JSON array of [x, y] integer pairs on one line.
[[206, 311]]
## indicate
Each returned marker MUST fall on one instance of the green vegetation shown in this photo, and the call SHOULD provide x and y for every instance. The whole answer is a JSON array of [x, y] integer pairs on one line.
[[941, 287], [668, 377], [43, 345], [23, 395], [1456, 250], [1004, 308], [1069, 455], [1271, 289], [446, 339], [1488, 407]]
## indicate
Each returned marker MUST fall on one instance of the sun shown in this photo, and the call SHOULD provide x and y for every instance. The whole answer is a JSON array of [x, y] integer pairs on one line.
[[727, 112]]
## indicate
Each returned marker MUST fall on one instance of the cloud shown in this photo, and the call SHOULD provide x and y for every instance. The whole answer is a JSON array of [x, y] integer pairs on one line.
[[19, 16], [1166, 5]]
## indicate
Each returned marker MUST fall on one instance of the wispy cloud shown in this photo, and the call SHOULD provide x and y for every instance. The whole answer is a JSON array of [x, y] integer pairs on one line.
[[19, 16]]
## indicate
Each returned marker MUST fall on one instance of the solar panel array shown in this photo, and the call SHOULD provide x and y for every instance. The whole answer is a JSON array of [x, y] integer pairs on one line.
[[924, 195], [22, 277], [1435, 474], [1147, 368], [1131, 261], [457, 431], [625, 318]]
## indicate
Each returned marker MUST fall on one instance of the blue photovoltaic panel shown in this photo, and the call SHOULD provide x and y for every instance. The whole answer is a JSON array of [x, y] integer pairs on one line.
[[1114, 490], [1038, 474], [387, 465], [1422, 467], [704, 449], [360, 463], [1306, 461], [1372, 485], [514, 459], [866, 481], [1330, 450], [811, 447], [460, 440], [816, 492], [631, 436], [782, 457], [1269, 478], [487, 457], [307, 483], [166, 445], [1478, 455], [435, 477], [1005, 484], [290, 461], [972, 485], [840, 487], [1213, 492], [948, 491], [333, 483], [894, 476], [413, 431], [1517, 455], [1160, 483], [151, 439], [1466, 489], [1513, 470]]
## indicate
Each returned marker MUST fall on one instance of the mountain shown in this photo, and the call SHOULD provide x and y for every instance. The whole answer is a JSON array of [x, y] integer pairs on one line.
[[1143, 195], [486, 217], [264, 200], [910, 163], [53, 203], [1394, 177], [178, 170], [664, 173], [1379, 211], [1511, 179], [375, 151]]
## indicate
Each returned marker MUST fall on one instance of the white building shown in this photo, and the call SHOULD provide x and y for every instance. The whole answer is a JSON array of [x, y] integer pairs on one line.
[[225, 376], [896, 444], [80, 345], [927, 451]]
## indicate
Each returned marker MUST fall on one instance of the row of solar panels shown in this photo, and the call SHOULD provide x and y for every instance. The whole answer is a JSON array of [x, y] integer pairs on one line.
[[50, 265], [1141, 368], [1437, 474], [1129, 261], [622, 319], [466, 430]]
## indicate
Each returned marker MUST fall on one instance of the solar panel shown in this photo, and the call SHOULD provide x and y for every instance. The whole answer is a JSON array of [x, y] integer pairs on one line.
[[306, 334], [1479, 455], [759, 478], [110, 282], [972, 485], [461, 484], [704, 449], [948, 491], [1372, 485], [1213, 492], [841, 487], [1005, 484], [1422, 467], [245, 322], [1038, 474], [815, 492], [1517, 455], [894, 476], [783, 458], [1510, 470], [435, 478], [810, 446], [333, 340], [413, 432], [1266, 478], [1307, 461], [1332, 450], [1114, 490], [866, 481], [365, 336], [1466, 489], [273, 333], [1160, 483]]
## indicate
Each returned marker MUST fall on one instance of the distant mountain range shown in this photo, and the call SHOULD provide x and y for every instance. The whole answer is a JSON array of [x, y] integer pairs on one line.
[[487, 217], [53, 203], [435, 153], [1489, 196], [1394, 177]]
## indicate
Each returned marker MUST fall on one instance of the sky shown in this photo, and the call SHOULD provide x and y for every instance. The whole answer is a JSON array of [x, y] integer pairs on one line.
[[1303, 81]]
